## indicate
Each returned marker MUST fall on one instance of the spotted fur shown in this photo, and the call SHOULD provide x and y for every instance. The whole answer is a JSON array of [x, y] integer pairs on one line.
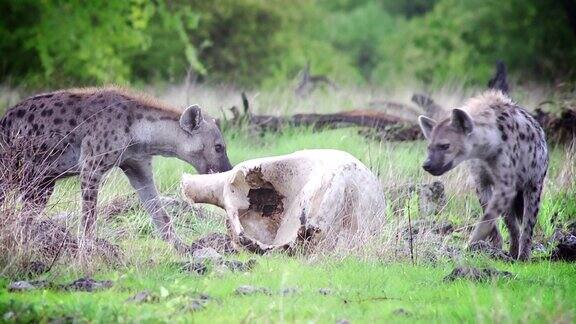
[[89, 131], [508, 157]]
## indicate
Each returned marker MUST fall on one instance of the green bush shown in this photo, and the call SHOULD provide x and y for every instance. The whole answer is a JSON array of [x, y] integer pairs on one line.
[[463, 39], [88, 41], [171, 52], [254, 42], [358, 32], [54, 43], [70, 42]]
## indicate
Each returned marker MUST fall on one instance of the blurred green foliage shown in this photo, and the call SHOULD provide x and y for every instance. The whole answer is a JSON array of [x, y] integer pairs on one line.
[[52, 43], [462, 39]]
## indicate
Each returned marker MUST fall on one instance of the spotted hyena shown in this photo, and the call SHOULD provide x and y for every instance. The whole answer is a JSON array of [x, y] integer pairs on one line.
[[508, 158], [87, 132]]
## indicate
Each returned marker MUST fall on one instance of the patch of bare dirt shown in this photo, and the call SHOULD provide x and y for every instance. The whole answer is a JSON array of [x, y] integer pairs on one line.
[[476, 274], [234, 265], [20, 286], [87, 284], [82, 284], [251, 290], [143, 297], [52, 241], [220, 242]]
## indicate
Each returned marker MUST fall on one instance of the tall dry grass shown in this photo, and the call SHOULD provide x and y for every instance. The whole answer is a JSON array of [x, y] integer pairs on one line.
[[54, 241], [31, 242]]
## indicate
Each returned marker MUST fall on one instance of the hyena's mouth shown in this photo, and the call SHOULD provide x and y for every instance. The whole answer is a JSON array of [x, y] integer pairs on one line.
[[443, 169]]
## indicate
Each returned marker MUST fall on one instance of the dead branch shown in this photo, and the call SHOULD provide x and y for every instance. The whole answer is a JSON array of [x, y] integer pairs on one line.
[[308, 82], [384, 125], [431, 109], [499, 80]]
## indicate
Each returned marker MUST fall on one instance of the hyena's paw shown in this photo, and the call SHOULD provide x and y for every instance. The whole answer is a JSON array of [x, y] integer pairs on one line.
[[483, 247]]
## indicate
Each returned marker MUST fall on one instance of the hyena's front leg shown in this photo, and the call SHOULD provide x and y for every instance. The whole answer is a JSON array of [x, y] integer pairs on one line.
[[484, 193], [499, 202], [484, 185], [139, 173], [531, 207]]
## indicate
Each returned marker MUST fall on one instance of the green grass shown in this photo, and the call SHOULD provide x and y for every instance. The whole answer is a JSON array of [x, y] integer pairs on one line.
[[363, 290], [360, 292]]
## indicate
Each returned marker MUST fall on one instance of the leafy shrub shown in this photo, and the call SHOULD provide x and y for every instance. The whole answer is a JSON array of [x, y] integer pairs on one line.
[[88, 41], [266, 42], [463, 39]]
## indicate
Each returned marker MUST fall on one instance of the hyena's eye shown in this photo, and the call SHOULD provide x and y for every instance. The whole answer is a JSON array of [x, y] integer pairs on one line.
[[219, 148], [443, 147]]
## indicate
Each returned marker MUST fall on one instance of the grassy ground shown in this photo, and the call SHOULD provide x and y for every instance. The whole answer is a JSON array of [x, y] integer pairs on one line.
[[384, 286], [360, 291]]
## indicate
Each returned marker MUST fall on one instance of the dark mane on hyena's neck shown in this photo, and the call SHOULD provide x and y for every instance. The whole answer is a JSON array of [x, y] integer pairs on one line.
[[130, 94]]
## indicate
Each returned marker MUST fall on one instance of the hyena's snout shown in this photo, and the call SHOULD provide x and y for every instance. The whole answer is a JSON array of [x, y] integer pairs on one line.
[[222, 165], [436, 167], [427, 166], [225, 165]]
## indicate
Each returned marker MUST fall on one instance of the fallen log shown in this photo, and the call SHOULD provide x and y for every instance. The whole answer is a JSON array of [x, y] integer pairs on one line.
[[376, 123], [385, 124]]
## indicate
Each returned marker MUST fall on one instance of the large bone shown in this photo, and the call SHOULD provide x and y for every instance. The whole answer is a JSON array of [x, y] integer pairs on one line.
[[316, 197]]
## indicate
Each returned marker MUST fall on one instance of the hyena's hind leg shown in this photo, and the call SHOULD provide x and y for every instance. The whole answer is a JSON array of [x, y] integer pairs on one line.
[[511, 219], [2, 193], [36, 196], [3, 175], [531, 207], [93, 166]]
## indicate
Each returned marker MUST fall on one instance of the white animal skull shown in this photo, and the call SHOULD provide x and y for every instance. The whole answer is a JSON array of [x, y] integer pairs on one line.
[[314, 196]]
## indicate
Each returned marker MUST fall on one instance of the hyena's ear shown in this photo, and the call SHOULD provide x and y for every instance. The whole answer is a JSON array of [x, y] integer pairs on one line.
[[191, 118], [462, 121], [426, 124]]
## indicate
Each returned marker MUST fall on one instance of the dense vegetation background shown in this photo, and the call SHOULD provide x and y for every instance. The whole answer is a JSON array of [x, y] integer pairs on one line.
[[257, 43]]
